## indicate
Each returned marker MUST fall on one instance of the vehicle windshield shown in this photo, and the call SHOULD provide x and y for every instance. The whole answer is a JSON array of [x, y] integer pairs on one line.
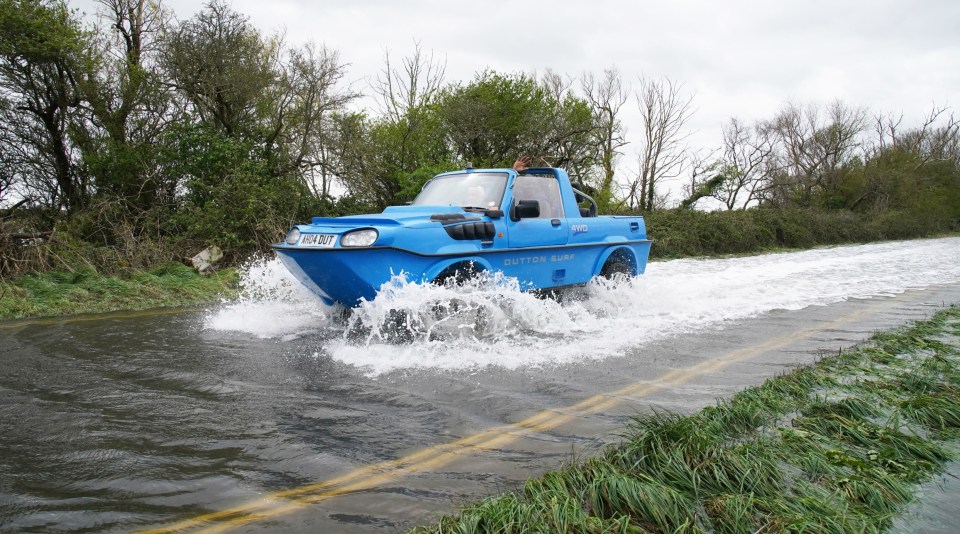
[[469, 190]]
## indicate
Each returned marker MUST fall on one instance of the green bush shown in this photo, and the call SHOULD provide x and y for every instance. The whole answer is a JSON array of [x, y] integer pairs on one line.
[[683, 233]]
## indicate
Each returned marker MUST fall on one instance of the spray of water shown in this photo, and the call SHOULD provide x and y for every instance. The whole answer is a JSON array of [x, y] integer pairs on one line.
[[271, 304], [489, 321]]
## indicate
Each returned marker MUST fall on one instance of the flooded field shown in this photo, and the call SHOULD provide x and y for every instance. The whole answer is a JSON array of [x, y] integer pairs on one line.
[[122, 422]]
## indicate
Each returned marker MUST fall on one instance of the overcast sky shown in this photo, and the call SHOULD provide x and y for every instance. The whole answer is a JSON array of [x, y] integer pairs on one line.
[[738, 58]]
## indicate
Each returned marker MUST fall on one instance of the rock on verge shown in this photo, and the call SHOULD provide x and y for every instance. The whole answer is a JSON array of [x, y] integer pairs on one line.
[[205, 261]]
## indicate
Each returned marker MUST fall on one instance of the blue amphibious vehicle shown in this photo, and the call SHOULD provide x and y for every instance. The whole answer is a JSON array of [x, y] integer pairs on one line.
[[528, 225]]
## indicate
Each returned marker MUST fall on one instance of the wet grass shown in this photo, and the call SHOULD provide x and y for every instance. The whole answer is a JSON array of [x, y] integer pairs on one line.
[[839, 446], [86, 291]]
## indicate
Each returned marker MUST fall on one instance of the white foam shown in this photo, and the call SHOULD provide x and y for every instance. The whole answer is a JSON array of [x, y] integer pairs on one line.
[[271, 304], [517, 329]]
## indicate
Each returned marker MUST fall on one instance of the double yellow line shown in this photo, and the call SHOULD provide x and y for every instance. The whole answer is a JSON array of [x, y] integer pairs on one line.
[[375, 475]]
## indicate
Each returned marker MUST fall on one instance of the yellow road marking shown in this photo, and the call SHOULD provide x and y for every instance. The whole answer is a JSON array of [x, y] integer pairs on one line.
[[374, 475]]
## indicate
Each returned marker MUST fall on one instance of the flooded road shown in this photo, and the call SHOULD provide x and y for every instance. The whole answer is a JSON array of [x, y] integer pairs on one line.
[[275, 413]]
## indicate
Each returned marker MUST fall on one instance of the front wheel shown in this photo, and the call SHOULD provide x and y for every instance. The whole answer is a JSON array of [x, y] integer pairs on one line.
[[457, 275], [615, 269]]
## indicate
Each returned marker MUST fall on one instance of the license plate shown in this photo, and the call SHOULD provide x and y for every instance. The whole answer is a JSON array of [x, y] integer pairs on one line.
[[318, 240]]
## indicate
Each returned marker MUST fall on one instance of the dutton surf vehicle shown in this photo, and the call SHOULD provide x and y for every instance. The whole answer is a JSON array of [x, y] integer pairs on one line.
[[528, 225]]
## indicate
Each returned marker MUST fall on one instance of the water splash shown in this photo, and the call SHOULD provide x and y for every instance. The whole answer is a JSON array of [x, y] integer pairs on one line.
[[271, 304], [488, 321], [487, 308]]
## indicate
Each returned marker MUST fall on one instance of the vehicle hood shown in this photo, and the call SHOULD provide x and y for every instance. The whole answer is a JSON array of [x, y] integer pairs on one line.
[[407, 216]]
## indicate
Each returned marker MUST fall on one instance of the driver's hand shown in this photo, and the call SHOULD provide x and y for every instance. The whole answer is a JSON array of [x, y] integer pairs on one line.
[[522, 163]]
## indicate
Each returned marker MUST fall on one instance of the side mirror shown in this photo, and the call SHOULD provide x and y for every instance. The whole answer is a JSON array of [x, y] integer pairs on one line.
[[524, 209]]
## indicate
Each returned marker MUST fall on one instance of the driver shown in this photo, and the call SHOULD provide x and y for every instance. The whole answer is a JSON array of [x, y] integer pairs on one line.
[[477, 197]]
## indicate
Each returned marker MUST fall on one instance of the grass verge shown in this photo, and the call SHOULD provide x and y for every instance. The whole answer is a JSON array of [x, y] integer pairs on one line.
[[86, 291], [838, 446]]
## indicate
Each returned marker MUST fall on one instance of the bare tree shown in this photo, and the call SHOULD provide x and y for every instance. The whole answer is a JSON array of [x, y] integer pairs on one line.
[[665, 110], [897, 152], [747, 160], [887, 129], [133, 27], [815, 144], [606, 96], [312, 78], [564, 134], [946, 142], [136, 25], [404, 94], [929, 141], [380, 156], [406, 89], [943, 143], [557, 85]]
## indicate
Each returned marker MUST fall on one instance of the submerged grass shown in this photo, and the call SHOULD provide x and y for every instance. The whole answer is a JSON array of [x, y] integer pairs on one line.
[[838, 446], [86, 291]]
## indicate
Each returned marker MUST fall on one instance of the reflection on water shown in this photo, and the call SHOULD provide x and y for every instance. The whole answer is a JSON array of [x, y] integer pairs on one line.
[[109, 424], [935, 509]]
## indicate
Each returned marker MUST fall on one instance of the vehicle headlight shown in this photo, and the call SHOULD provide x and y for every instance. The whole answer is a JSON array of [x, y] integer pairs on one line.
[[359, 238], [293, 236]]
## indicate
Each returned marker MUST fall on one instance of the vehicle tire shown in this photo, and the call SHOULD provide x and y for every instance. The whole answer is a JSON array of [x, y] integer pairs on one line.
[[616, 269], [453, 276], [457, 275]]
